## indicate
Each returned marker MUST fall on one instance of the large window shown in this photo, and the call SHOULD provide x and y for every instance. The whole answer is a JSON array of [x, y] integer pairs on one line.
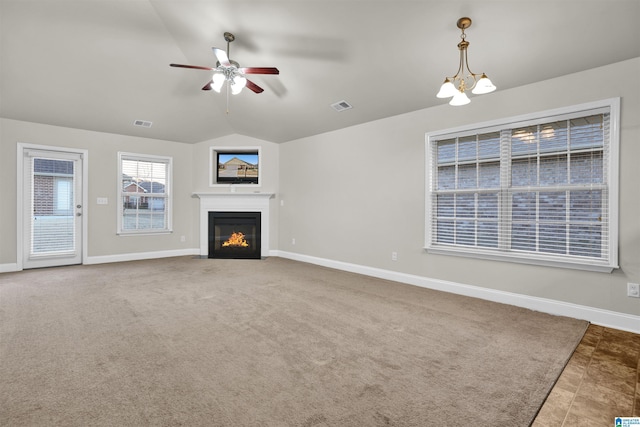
[[144, 194], [539, 189]]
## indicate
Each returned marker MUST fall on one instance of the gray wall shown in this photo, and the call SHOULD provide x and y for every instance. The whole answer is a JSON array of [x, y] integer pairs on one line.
[[190, 174], [102, 182], [357, 194]]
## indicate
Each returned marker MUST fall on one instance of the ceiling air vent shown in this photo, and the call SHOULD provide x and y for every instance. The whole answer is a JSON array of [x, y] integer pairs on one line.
[[143, 123], [341, 106]]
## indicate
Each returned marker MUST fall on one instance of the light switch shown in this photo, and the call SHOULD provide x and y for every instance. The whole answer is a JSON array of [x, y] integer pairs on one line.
[[103, 200]]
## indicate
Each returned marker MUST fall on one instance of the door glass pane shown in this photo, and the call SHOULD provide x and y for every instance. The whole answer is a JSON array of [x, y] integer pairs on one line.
[[52, 222]]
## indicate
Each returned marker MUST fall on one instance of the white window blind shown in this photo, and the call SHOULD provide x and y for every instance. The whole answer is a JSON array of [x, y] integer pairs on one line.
[[537, 191], [144, 194], [52, 183]]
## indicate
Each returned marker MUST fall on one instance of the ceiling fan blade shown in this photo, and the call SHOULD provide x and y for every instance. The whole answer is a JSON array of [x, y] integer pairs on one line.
[[208, 85], [259, 70], [254, 87], [223, 59], [197, 67]]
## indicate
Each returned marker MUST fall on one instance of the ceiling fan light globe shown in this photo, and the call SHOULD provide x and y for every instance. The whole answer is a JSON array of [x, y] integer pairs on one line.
[[460, 98], [217, 82], [483, 86], [237, 84], [447, 90]]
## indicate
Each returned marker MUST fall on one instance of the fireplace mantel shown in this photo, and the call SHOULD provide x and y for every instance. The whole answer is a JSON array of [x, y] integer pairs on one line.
[[234, 202], [256, 195]]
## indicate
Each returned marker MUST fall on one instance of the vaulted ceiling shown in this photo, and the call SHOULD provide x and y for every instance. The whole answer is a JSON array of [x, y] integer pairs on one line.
[[102, 64]]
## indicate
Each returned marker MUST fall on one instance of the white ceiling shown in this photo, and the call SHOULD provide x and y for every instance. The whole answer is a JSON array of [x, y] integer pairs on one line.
[[101, 64]]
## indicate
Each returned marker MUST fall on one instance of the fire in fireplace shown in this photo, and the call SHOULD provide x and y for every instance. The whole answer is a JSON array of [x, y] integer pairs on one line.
[[236, 239], [234, 235]]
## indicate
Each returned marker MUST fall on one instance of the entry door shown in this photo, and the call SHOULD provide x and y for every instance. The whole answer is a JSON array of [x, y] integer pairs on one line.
[[53, 204]]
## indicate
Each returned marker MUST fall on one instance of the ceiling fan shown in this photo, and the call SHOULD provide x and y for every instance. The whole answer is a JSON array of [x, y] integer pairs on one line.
[[229, 72]]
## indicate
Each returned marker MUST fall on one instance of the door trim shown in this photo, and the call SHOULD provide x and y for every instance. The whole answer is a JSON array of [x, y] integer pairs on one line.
[[20, 230]]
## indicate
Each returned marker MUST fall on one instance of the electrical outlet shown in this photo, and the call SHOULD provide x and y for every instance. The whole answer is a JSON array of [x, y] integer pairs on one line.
[[183, 239], [633, 290], [394, 256], [293, 241]]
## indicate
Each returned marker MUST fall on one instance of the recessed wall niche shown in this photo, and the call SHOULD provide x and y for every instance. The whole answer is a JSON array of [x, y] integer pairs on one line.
[[235, 166]]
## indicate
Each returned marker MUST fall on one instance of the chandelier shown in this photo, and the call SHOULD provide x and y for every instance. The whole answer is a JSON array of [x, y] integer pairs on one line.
[[455, 87]]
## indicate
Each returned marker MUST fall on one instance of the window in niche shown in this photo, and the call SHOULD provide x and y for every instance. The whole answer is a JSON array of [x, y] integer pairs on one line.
[[235, 166]]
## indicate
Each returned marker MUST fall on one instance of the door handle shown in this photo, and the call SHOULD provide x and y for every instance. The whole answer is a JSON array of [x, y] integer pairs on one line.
[[79, 214]]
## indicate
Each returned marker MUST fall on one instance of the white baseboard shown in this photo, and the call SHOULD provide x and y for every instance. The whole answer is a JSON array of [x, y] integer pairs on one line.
[[136, 256], [8, 268], [607, 318]]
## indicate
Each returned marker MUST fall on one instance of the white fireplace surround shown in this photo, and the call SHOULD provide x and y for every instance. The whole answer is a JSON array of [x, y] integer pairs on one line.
[[234, 202]]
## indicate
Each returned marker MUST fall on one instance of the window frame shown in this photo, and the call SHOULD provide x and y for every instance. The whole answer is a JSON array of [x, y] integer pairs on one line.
[[167, 195], [503, 253]]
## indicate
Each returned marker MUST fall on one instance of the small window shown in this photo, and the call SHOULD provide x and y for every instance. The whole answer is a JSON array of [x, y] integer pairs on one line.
[[144, 194], [538, 189], [235, 166]]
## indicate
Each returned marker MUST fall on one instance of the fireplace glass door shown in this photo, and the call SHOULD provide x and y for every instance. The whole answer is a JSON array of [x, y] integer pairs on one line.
[[234, 235]]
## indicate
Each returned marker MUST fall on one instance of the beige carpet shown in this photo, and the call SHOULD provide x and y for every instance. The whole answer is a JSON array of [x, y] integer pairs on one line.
[[273, 342]]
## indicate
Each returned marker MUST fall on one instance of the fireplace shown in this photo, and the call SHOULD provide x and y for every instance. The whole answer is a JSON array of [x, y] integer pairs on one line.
[[234, 235], [234, 202]]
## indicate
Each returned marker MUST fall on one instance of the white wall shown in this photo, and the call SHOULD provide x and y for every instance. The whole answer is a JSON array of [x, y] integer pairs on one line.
[[103, 243], [355, 195]]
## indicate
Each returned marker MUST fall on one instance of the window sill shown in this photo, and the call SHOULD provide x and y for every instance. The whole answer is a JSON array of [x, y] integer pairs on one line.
[[539, 260], [143, 233]]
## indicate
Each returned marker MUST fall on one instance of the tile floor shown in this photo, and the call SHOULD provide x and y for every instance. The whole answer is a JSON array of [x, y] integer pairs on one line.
[[600, 382]]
